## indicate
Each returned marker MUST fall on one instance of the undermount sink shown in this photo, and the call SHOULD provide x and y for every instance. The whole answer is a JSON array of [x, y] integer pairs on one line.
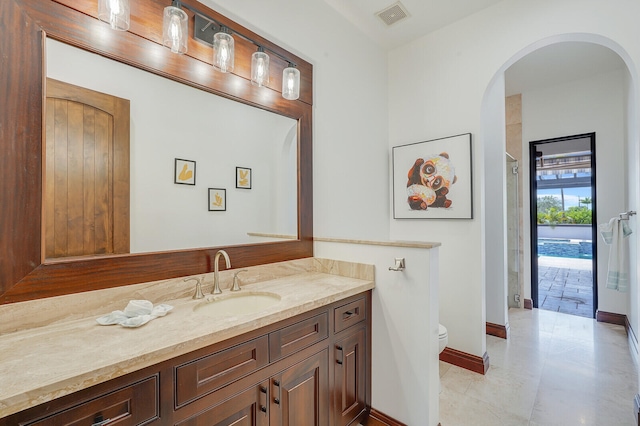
[[235, 304]]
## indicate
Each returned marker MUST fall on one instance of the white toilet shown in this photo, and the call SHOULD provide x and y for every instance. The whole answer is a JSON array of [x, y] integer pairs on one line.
[[443, 337]]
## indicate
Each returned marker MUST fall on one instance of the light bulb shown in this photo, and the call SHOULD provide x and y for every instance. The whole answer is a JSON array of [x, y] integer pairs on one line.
[[175, 33], [223, 52], [290, 83], [259, 68], [175, 29], [115, 7], [115, 12]]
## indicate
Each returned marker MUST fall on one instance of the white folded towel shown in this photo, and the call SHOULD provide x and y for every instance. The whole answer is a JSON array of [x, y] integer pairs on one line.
[[135, 314], [614, 234]]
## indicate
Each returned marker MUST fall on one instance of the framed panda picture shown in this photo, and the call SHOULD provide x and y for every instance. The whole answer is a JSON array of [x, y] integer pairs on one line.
[[433, 179]]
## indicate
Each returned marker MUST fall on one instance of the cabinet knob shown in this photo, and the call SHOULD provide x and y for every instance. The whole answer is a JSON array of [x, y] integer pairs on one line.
[[276, 400], [263, 389], [276, 382], [263, 408]]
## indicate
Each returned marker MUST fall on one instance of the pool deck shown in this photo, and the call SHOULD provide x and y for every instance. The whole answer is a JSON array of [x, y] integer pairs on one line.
[[565, 285]]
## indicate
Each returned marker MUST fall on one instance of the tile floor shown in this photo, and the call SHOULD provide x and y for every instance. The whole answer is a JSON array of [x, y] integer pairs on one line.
[[555, 369], [565, 285]]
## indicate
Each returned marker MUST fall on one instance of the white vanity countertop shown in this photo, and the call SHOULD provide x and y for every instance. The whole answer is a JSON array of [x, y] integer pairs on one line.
[[45, 362]]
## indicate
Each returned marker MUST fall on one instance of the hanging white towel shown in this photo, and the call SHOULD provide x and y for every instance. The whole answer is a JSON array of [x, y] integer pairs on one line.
[[614, 234]]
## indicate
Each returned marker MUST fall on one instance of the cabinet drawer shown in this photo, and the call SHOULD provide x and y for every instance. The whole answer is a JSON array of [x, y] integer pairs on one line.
[[298, 336], [132, 405], [205, 375], [347, 315]]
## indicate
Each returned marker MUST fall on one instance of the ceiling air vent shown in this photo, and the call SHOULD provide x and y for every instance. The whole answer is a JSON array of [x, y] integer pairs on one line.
[[392, 14]]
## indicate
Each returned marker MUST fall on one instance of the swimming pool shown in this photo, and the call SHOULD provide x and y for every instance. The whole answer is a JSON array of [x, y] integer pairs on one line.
[[558, 247]]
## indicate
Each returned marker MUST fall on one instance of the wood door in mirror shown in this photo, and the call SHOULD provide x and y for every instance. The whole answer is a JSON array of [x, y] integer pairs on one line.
[[86, 197], [24, 275]]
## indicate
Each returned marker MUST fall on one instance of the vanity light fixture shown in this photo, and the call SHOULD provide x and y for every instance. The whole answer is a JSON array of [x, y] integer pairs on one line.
[[175, 36], [259, 67], [291, 82], [115, 12], [223, 50], [175, 29]]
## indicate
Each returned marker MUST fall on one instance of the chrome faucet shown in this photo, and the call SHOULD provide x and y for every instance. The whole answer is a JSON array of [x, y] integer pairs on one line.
[[216, 278]]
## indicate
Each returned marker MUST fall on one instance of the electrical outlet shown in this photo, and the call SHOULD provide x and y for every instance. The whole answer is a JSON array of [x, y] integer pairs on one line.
[[516, 297]]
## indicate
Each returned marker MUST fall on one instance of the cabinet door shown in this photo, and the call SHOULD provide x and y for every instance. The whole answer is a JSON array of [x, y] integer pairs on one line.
[[300, 394], [248, 408], [350, 377]]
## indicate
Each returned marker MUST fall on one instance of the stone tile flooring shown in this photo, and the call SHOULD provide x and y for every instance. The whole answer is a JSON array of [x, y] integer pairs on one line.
[[554, 370], [565, 285]]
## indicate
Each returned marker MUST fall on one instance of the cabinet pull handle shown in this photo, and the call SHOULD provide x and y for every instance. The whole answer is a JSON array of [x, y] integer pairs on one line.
[[339, 361], [263, 408], [99, 422], [277, 400], [348, 314]]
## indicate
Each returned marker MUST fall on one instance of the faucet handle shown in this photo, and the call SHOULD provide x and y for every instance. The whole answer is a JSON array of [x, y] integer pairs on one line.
[[236, 285], [198, 294]]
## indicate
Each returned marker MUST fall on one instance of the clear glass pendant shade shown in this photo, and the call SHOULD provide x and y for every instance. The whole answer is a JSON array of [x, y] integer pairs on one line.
[[259, 68], [223, 52], [290, 83], [175, 29], [115, 12]]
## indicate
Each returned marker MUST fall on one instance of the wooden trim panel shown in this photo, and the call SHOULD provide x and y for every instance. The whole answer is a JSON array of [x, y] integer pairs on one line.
[[377, 418], [636, 408], [611, 318], [497, 330], [528, 304], [464, 360]]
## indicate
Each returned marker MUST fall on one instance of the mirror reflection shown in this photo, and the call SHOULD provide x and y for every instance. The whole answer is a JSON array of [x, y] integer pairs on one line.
[[203, 170]]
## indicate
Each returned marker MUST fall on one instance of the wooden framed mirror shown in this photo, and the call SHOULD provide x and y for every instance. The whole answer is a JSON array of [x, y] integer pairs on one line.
[[24, 26]]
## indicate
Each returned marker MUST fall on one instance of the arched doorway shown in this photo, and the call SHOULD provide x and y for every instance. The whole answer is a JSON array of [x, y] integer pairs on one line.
[[497, 293]]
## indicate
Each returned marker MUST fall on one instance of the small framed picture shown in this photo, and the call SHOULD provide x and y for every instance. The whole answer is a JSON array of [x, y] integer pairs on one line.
[[243, 177], [217, 199], [185, 172]]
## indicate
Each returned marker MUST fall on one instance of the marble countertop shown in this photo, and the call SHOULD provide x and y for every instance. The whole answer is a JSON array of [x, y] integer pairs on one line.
[[45, 362]]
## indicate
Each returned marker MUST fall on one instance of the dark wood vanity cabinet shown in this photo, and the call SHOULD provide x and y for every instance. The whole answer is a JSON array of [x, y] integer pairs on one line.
[[309, 370]]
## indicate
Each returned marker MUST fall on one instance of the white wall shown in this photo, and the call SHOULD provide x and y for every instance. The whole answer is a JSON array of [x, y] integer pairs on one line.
[[171, 120], [436, 88], [405, 376], [633, 196], [494, 201], [350, 150], [596, 104]]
